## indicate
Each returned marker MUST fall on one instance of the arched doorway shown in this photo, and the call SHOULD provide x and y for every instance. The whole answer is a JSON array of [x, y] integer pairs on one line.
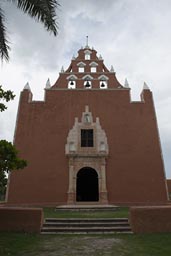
[[87, 185]]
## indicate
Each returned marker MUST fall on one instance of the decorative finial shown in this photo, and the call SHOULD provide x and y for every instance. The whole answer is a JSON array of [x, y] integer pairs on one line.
[[145, 87], [86, 108], [126, 83], [86, 41], [62, 69], [112, 69], [48, 85], [27, 87], [100, 57]]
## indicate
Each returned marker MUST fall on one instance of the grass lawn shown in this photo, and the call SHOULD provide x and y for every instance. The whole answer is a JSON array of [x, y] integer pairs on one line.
[[118, 213], [76, 245]]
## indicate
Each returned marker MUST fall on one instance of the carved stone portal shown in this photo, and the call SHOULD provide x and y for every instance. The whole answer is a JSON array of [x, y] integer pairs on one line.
[[93, 155]]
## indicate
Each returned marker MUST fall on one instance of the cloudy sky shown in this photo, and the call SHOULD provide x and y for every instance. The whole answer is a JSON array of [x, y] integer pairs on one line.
[[132, 35]]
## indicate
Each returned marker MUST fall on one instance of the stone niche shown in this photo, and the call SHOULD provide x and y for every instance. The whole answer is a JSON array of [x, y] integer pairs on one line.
[[91, 155]]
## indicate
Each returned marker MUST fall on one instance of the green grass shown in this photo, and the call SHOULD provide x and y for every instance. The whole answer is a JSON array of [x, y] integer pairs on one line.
[[118, 213], [76, 245], [18, 243]]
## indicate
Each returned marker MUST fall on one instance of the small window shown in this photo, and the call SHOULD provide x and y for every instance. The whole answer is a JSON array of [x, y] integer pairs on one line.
[[87, 56], [93, 69], [87, 138], [81, 69]]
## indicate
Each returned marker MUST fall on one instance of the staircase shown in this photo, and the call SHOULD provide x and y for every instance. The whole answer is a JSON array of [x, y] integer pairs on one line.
[[85, 226]]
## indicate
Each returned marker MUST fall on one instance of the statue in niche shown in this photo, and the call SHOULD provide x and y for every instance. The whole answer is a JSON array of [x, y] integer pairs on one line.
[[72, 147], [87, 118], [102, 146]]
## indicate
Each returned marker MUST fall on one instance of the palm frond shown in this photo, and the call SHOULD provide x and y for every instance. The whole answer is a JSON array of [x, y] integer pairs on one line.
[[42, 10], [4, 47]]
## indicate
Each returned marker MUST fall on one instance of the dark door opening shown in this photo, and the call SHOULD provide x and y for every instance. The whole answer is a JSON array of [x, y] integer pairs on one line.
[[87, 185]]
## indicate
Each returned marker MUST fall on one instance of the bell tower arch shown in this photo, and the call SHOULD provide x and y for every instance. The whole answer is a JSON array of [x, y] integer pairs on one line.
[[86, 149]]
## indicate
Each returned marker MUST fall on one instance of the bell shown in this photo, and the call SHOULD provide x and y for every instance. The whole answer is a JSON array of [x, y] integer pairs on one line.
[[87, 84], [71, 83], [102, 84]]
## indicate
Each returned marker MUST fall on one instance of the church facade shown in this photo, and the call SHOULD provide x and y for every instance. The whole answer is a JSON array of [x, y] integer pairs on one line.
[[87, 141]]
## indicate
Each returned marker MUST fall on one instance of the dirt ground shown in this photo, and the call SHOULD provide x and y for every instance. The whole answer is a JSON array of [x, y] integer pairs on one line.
[[76, 246]]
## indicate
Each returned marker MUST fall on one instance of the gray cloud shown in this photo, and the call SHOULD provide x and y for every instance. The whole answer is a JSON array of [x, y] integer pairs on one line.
[[133, 36]]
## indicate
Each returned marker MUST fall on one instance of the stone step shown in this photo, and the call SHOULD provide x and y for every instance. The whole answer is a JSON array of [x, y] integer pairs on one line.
[[84, 232], [78, 224], [72, 220], [83, 226], [85, 229], [87, 207]]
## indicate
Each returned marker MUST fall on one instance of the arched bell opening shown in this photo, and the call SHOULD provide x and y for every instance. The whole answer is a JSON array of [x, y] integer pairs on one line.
[[87, 187], [87, 84]]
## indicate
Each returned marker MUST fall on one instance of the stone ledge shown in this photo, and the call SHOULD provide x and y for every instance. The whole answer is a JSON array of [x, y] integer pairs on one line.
[[21, 219], [150, 219]]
